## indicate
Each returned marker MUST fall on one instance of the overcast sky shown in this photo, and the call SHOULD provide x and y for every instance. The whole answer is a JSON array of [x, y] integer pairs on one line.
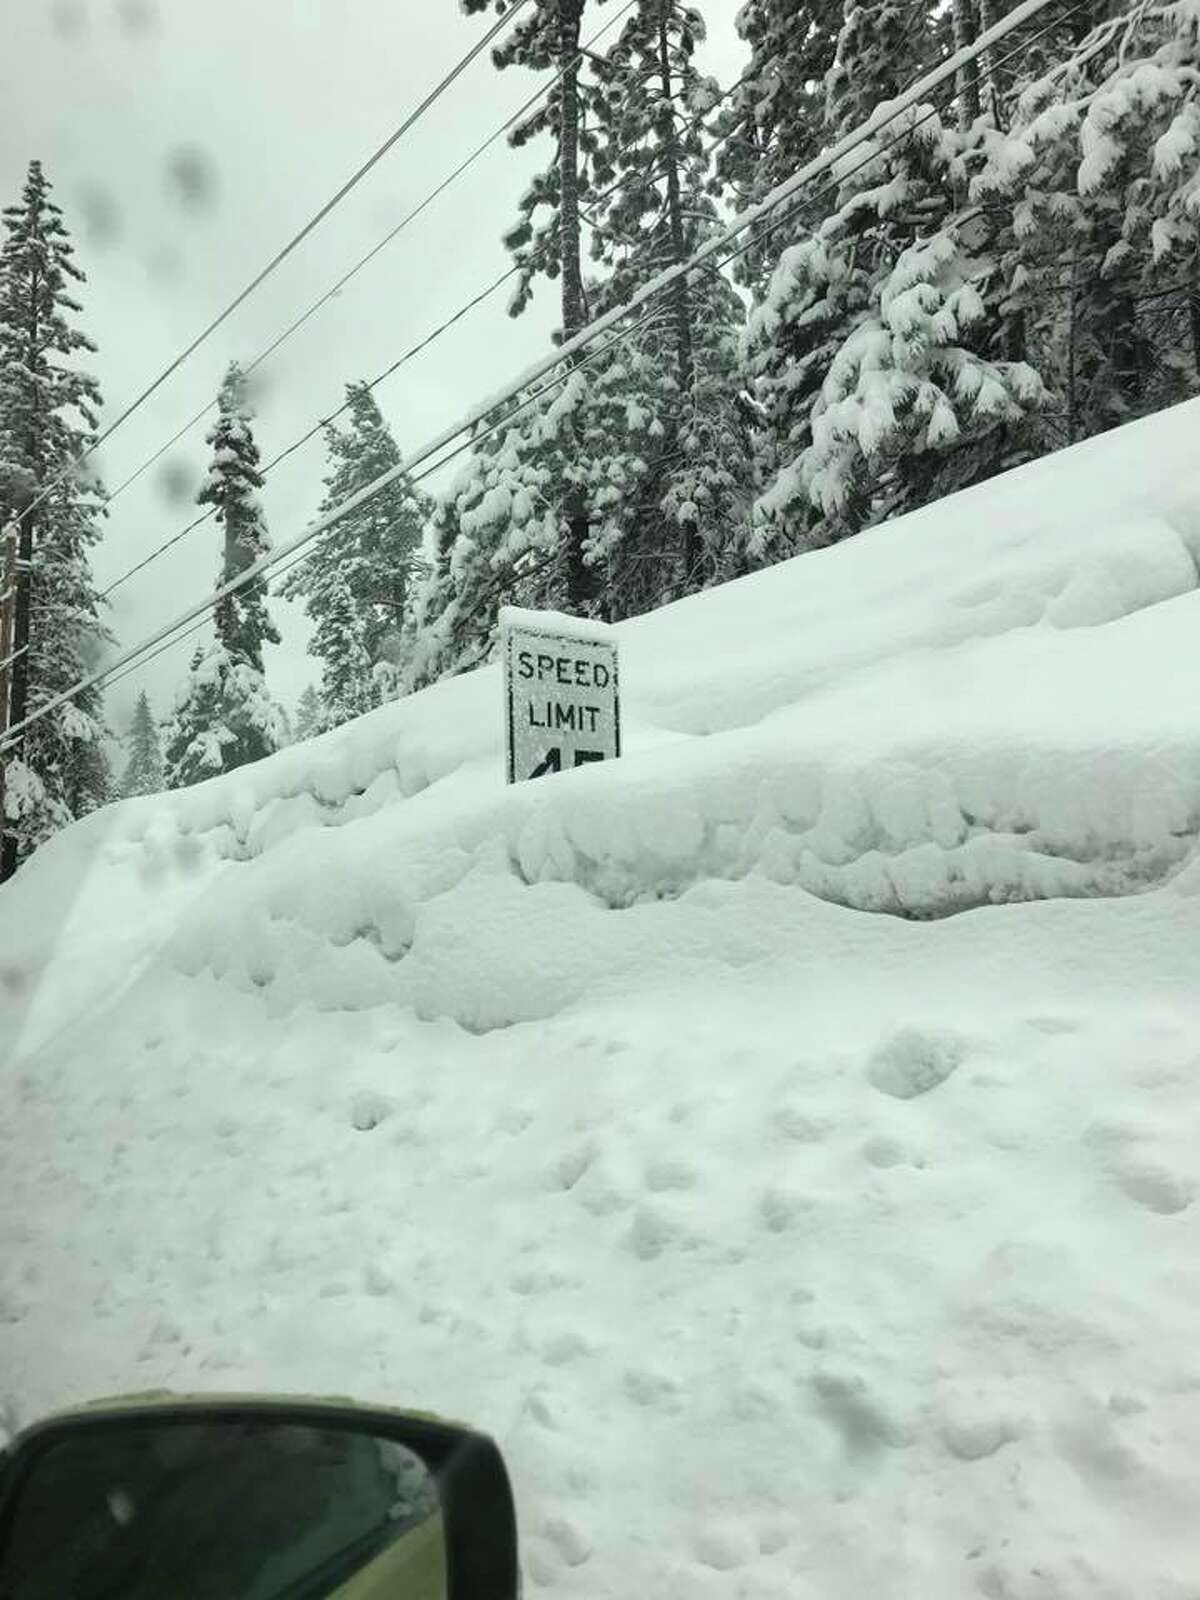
[[186, 141]]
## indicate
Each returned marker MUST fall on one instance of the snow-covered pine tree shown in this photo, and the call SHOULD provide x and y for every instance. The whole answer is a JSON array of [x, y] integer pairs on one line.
[[1098, 170], [310, 714], [882, 46], [496, 531], [355, 584], [912, 408], [775, 120], [872, 348], [546, 238], [48, 416], [144, 768], [224, 714], [682, 368]]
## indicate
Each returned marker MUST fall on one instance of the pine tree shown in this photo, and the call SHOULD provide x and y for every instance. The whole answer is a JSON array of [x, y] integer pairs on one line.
[[874, 348], [545, 241], [1100, 254], [882, 46], [310, 715], [144, 769], [775, 121], [496, 530], [909, 392], [48, 418], [224, 715], [355, 585], [694, 489]]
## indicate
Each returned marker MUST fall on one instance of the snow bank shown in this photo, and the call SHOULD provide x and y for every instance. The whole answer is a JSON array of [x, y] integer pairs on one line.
[[557, 623], [786, 1249]]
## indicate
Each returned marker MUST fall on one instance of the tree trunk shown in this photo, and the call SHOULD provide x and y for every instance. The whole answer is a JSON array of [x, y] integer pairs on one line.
[[1072, 399], [684, 347], [1127, 351], [579, 584], [968, 76], [989, 86], [8, 605], [18, 705]]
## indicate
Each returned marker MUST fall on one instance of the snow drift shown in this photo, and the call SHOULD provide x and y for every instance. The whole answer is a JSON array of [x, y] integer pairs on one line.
[[788, 1248]]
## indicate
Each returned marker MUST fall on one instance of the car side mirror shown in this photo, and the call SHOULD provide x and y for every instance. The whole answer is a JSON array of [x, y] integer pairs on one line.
[[254, 1499]]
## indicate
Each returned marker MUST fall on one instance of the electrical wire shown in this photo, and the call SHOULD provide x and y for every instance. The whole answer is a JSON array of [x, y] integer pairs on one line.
[[297, 553], [574, 347], [394, 233], [417, 349], [317, 427], [282, 255], [788, 217]]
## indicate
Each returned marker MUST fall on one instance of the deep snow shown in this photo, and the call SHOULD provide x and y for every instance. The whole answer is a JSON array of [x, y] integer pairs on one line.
[[787, 1248]]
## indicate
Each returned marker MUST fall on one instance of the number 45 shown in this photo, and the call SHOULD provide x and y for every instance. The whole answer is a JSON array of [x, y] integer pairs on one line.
[[553, 760]]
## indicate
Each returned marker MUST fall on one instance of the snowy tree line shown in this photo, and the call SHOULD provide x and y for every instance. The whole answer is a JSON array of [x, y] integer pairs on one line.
[[1003, 271]]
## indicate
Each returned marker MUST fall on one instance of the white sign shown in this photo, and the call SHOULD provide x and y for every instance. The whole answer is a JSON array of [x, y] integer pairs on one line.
[[561, 693]]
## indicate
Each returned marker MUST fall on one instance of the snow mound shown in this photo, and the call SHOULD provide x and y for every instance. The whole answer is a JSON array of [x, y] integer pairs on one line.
[[786, 1249]]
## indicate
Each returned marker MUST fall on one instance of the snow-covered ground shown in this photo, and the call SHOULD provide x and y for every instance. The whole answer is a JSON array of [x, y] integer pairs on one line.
[[788, 1248]]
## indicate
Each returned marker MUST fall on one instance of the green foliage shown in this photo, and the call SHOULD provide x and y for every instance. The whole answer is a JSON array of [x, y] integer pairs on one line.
[[310, 715], [224, 716], [144, 767], [48, 417], [775, 121], [355, 583]]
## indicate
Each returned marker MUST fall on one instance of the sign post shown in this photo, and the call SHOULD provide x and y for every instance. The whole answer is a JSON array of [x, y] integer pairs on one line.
[[561, 693]]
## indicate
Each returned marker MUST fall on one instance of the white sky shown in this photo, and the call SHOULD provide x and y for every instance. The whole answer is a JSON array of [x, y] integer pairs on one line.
[[269, 105]]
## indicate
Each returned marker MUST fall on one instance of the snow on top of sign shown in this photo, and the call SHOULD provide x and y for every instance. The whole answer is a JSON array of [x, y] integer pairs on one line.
[[824, 1253], [557, 623]]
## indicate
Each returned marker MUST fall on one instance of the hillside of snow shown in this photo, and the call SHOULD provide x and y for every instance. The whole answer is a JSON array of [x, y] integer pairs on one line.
[[783, 1140]]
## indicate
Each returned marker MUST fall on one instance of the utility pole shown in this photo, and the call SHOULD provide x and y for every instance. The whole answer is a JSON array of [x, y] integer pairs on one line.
[[8, 618]]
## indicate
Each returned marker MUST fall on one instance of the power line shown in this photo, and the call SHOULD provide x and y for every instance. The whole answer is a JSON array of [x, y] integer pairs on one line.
[[322, 422], [281, 256], [787, 217], [782, 194], [416, 349], [335, 289], [297, 552]]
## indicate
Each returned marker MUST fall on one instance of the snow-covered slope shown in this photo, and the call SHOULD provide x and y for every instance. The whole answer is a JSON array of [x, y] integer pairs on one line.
[[789, 1249]]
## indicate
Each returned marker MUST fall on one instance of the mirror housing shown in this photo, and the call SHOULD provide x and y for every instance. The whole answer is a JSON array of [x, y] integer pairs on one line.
[[464, 1466]]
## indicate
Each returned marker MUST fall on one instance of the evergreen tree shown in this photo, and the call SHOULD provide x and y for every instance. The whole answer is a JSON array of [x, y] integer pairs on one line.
[[310, 715], [496, 530], [545, 241], [144, 769], [1101, 247], [355, 584], [883, 45], [224, 715], [694, 489], [48, 419], [652, 435], [775, 121], [873, 349]]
